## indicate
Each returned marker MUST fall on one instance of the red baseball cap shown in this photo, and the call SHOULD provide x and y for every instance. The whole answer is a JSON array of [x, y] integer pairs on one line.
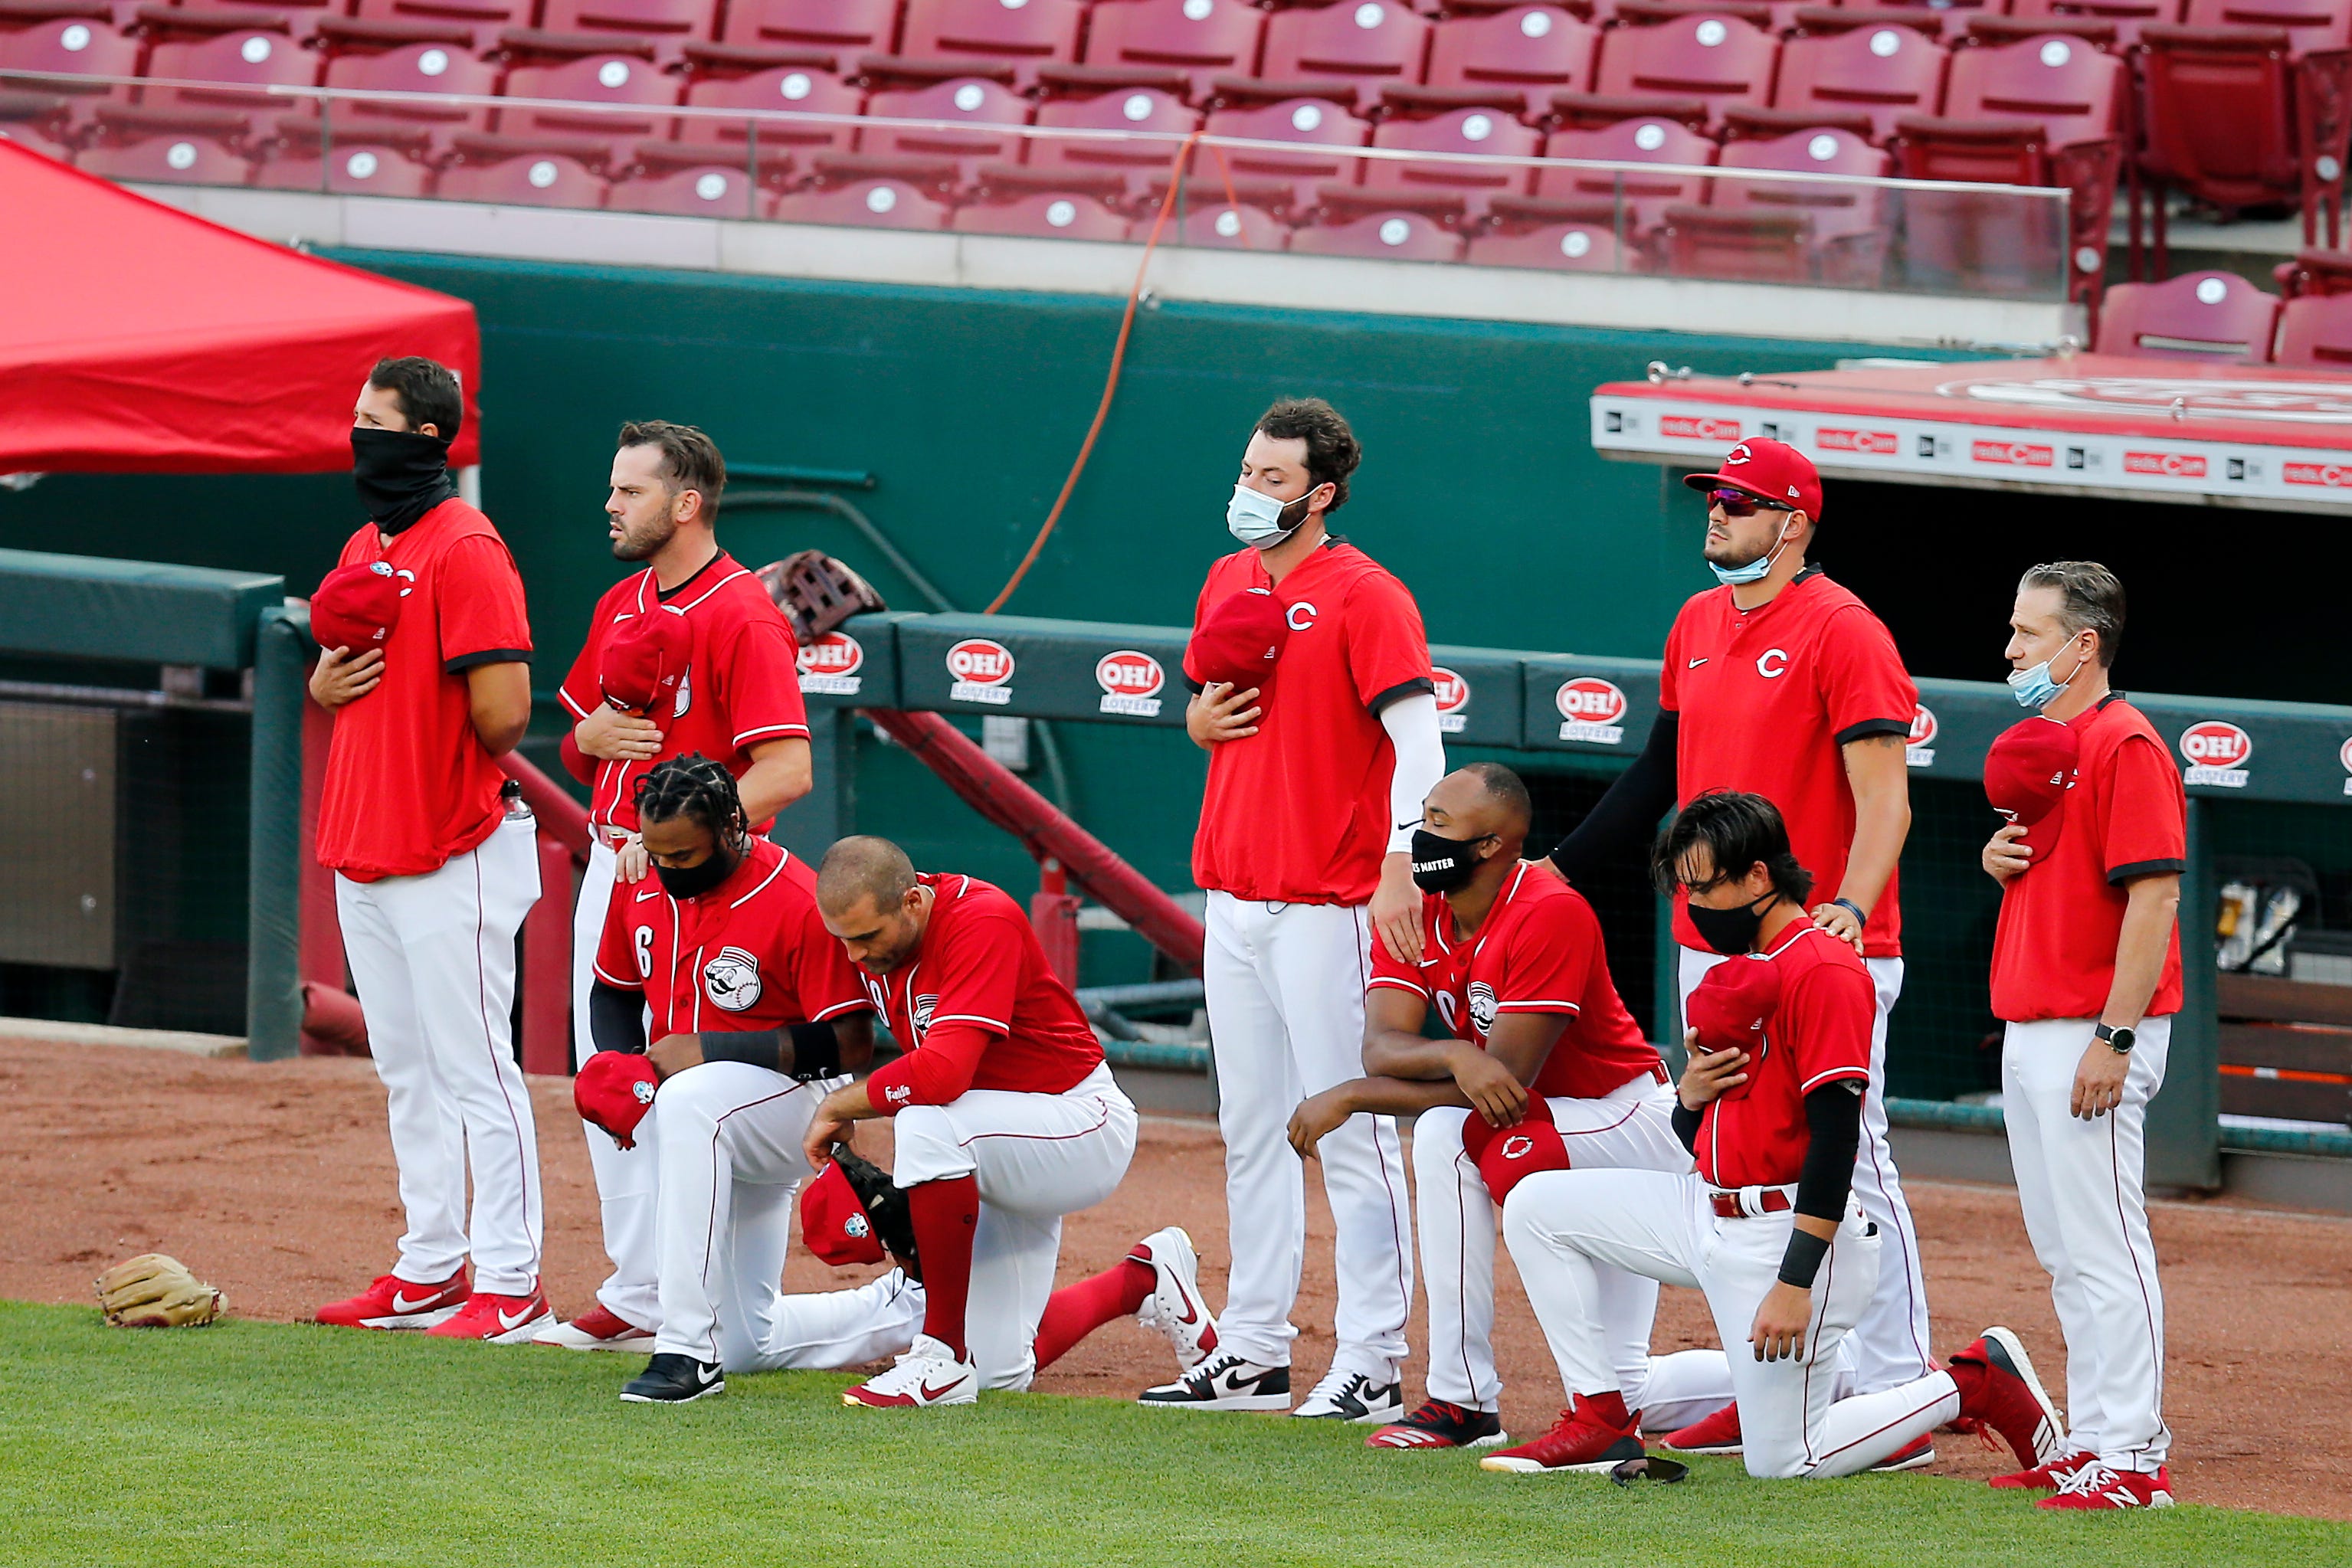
[[614, 1090], [2029, 769], [356, 607], [1770, 471], [833, 1223], [1730, 1006], [1508, 1155], [645, 658], [1240, 640]]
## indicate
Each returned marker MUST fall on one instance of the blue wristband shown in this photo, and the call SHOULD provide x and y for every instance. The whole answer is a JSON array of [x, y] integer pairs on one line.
[[1859, 912]]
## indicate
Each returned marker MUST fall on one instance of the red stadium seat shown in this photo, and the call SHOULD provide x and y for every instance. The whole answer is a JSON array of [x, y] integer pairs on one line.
[[173, 145], [1370, 43], [2310, 25], [1390, 237], [983, 106], [1718, 59], [1566, 248], [484, 13], [362, 165], [1227, 226], [414, 69], [1529, 51], [1318, 129], [1828, 21], [1046, 215], [2316, 272], [849, 27], [39, 121], [1645, 196], [687, 182], [2206, 316], [2128, 17], [2316, 331], [245, 62], [1865, 80], [616, 96], [70, 45], [787, 87], [1200, 39], [1140, 108], [633, 18], [867, 203], [1788, 231], [1023, 33], [1464, 130], [525, 177]]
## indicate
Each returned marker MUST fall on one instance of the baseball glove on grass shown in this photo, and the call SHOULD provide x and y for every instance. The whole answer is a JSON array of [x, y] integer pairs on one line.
[[886, 1206], [153, 1291]]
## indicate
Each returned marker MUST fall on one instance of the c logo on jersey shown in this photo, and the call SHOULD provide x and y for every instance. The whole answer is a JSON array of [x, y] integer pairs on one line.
[[1305, 609], [1482, 1006], [1772, 663], [731, 979]]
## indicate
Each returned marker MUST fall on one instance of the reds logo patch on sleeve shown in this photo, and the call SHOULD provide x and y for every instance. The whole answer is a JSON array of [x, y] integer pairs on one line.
[[921, 1011], [731, 979], [1482, 1007]]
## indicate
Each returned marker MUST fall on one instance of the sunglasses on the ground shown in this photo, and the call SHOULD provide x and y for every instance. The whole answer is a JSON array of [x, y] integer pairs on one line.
[[1741, 504]]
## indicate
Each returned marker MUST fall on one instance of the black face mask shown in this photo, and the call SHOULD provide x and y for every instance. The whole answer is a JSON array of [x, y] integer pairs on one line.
[[1730, 932], [400, 475], [1444, 865], [694, 881]]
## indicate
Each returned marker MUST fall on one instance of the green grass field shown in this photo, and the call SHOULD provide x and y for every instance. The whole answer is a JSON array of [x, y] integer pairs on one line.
[[253, 1443]]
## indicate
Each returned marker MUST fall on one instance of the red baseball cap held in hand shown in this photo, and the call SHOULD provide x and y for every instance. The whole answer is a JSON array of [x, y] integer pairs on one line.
[[1240, 640], [356, 607], [833, 1223], [645, 658], [1508, 1155], [1730, 1006], [2028, 770], [1770, 471], [614, 1090]]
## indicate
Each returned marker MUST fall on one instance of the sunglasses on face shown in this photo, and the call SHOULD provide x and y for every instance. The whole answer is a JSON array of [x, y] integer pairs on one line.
[[1741, 504]]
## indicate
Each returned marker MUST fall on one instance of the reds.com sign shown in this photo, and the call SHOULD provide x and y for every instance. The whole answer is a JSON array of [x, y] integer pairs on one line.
[[2171, 465], [2216, 752], [2326, 476], [1880, 442], [1130, 683], [1590, 710], [1689, 428], [1453, 699], [2013, 454], [830, 665], [1919, 746], [979, 671]]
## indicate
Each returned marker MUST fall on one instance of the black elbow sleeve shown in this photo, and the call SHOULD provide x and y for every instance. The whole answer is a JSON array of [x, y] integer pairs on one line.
[[1833, 1120], [817, 1052], [1687, 1126], [1628, 813], [616, 1018]]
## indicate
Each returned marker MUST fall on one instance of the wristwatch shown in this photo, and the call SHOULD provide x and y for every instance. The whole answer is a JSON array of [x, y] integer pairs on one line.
[[2119, 1041]]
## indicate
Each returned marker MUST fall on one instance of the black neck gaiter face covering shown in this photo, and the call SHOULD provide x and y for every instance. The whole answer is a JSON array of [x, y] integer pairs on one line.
[[400, 475]]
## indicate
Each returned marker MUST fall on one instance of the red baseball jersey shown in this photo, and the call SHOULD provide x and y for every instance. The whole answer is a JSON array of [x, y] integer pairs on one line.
[[1299, 812], [1766, 697], [978, 1007], [1756, 1135], [2053, 952], [743, 684], [409, 783], [750, 954], [1537, 951]]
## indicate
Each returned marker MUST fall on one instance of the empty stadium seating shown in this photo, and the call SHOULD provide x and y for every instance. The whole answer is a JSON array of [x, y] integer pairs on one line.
[[1716, 60], [2316, 331], [1514, 59], [2209, 315], [1179, 45]]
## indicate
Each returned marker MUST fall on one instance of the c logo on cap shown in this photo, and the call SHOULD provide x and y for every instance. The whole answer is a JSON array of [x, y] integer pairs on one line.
[[1739, 453]]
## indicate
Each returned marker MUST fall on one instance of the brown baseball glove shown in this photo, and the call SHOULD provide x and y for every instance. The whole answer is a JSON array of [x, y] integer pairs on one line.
[[153, 1291], [816, 592]]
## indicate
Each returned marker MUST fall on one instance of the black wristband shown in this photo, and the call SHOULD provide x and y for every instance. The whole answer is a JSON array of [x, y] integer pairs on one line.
[[1687, 1126], [1859, 912], [817, 1052], [753, 1048], [1804, 1259]]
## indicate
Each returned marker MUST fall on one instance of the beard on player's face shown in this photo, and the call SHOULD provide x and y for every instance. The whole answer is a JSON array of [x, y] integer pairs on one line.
[[644, 536]]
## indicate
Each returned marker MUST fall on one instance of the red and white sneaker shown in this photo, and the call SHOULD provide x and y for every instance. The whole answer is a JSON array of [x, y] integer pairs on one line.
[[500, 1320], [1716, 1433], [1576, 1442], [1175, 1307], [2043, 1478], [1917, 1454], [928, 1374], [2096, 1486], [392, 1303], [2010, 1398], [1441, 1424], [600, 1328]]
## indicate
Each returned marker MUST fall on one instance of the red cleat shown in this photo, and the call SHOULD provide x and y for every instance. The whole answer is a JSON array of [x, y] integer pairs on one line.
[[2043, 1478], [1716, 1433], [2096, 1486], [599, 1328], [2007, 1398], [1577, 1442], [1916, 1454], [392, 1303], [502, 1320]]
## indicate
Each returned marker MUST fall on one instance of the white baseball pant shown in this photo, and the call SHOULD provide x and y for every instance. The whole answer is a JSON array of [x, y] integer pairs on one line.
[[1566, 1227], [626, 1179], [2082, 1187], [1632, 1127], [433, 957], [1285, 994], [1036, 1158], [1889, 1347]]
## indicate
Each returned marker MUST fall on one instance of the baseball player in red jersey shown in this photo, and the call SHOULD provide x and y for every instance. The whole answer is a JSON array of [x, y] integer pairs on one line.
[[1005, 1116], [1782, 683], [2086, 973], [736, 698], [1511, 959], [433, 872], [1317, 772], [1770, 1103]]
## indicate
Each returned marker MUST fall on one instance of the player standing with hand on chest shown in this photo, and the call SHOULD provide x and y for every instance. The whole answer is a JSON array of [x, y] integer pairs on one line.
[[2086, 973], [690, 655], [1780, 683], [1316, 704], [433, 874]]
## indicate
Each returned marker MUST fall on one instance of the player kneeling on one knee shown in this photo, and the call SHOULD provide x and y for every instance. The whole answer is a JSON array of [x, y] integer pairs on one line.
[[1544, 1068], [1766, 1227]]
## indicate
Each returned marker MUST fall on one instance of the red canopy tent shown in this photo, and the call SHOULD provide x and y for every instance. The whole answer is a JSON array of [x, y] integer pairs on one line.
[[136, 337]]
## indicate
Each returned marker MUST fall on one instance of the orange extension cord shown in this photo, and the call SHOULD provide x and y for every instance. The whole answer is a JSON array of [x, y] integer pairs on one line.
[[1118, 360]]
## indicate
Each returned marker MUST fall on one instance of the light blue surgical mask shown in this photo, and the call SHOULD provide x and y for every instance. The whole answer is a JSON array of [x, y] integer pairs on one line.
[[1256, 519], [1759, 568], [2034, 689]]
